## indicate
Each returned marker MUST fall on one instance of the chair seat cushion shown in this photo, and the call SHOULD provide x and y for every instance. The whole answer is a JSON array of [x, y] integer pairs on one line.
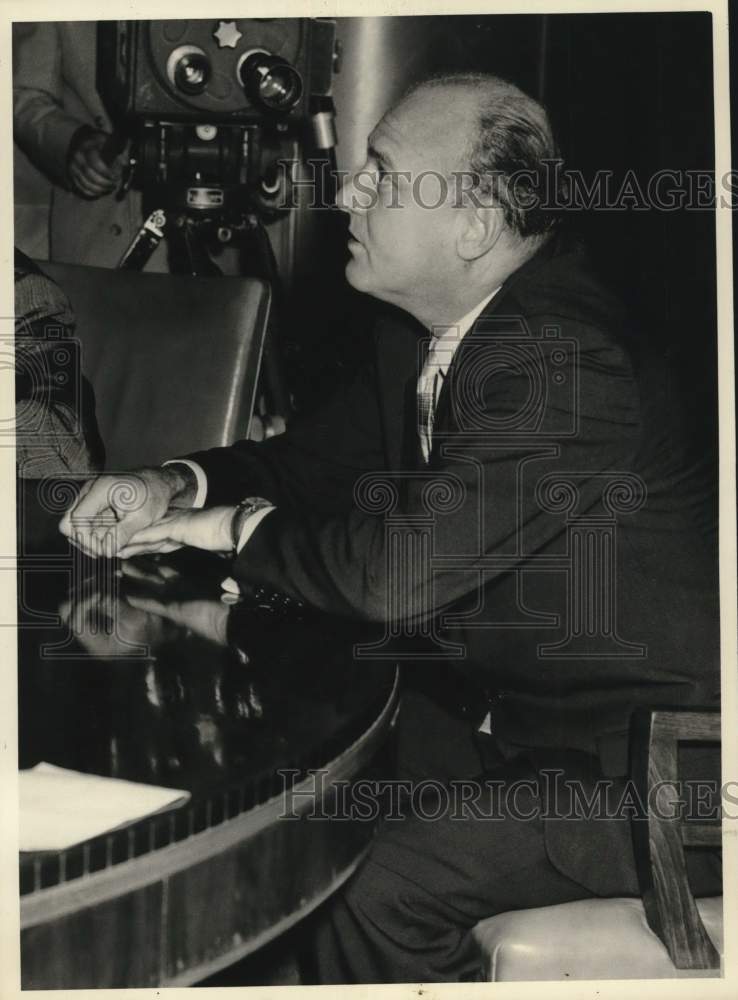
[[587, 939]]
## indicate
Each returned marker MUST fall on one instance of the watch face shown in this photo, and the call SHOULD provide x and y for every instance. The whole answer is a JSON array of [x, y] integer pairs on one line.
[[251, 504]]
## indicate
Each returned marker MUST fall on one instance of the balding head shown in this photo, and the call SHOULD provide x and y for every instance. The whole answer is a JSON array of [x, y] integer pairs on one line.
[[422, 236], [508, 149]]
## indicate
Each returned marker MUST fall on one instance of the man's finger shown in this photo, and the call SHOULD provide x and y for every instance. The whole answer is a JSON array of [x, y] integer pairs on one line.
[[96, 190], [159, 575], [163, 529], [88, 538], [136, 573], [81, 184], [146, 548], [83, 541], [148, 605], [95, 179], [82, 492], [96, 499], [97, 166]]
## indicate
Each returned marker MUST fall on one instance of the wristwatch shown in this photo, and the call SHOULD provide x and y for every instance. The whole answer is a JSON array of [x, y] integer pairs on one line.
[[241, 512]]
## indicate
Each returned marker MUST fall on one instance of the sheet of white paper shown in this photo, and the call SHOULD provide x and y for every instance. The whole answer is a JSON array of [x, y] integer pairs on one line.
[[60, 808]]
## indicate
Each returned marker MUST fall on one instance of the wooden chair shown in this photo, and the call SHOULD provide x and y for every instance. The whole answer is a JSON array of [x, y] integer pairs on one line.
[[173, 359], [666, 933]]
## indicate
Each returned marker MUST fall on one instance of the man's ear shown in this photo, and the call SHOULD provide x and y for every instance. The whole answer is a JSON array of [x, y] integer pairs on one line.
[[481, 227]]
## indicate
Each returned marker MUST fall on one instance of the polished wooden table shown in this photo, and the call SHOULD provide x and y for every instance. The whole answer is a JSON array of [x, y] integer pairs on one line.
[[150, 677]]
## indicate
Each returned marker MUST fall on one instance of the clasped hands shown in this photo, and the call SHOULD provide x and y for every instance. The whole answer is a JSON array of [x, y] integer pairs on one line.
[[143, 512]]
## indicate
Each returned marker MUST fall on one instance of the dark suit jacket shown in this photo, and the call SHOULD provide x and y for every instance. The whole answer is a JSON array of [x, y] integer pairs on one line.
[[556, 419]]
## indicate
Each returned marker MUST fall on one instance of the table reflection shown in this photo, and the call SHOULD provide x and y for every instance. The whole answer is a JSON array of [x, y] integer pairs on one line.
[[154, 678]]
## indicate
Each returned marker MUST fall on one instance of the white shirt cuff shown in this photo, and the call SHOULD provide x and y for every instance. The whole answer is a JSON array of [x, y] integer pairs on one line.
[[202, 479], [250, 525]]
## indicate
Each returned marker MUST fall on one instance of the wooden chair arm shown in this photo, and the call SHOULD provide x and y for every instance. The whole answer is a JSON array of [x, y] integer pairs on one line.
[[660, 839]]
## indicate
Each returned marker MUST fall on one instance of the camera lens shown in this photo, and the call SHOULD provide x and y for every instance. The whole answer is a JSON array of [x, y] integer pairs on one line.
[[270, 81], [188, 68]]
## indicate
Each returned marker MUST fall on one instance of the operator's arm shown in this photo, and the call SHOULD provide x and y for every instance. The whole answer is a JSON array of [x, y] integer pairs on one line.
[[42, 127], [65, 146]]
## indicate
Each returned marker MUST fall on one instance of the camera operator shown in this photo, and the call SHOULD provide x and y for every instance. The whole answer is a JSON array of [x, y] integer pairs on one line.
[[61, 126]]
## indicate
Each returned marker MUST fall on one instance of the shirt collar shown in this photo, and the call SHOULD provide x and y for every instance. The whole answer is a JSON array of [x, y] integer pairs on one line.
[[466, 322], [446, 339]]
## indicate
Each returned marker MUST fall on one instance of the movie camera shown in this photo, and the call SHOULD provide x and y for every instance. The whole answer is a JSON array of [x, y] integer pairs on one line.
[[210, 109]]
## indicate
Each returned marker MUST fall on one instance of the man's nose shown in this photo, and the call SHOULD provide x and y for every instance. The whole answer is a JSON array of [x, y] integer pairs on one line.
[[343, 195], [353, 195]]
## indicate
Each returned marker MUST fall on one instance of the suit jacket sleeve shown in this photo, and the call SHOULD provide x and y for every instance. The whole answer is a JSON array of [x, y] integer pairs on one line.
[[42, 127], [314, 466], [348, 561]]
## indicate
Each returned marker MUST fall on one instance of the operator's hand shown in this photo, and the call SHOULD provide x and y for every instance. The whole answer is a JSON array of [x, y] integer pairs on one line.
[[111, 509], [89, 175], [208, 529]]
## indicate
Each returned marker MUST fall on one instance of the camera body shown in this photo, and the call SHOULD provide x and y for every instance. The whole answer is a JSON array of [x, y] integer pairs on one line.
[[212, 107], [213, 71]]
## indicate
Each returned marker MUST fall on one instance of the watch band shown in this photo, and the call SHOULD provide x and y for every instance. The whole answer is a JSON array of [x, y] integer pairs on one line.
[[242, 511]]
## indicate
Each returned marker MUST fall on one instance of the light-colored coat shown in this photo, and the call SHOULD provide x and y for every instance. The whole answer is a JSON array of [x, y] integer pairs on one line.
[[54, 93]]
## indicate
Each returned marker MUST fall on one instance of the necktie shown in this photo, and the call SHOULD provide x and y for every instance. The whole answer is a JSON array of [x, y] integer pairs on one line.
[[429, 388]]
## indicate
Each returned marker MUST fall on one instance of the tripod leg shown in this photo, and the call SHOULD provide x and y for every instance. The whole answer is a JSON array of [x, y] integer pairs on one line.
[[146, 240], [187, 251]]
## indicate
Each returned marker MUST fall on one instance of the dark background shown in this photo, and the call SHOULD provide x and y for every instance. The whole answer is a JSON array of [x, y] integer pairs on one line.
[[625, 92]]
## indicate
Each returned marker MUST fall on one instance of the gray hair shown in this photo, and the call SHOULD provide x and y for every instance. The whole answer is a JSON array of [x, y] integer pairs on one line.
[[513, 157]]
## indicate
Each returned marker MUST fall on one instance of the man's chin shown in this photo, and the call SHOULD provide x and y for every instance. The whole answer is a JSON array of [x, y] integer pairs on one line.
[[357, 277]]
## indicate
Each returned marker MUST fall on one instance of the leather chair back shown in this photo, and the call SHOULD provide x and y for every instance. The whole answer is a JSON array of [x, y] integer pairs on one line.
[[173, 359]]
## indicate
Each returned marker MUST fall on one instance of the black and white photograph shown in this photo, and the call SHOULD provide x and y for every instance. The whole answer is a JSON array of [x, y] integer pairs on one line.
[[368, 442]]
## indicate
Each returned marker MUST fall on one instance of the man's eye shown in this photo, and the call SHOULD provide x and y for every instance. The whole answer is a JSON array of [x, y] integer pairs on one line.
[[381, 173]]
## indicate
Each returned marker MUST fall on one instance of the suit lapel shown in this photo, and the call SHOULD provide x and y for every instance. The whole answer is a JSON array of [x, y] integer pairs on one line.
[[485, 322], [443, 419]]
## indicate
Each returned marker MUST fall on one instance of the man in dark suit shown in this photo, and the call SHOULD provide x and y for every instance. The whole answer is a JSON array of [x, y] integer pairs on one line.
[[522, 476]]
